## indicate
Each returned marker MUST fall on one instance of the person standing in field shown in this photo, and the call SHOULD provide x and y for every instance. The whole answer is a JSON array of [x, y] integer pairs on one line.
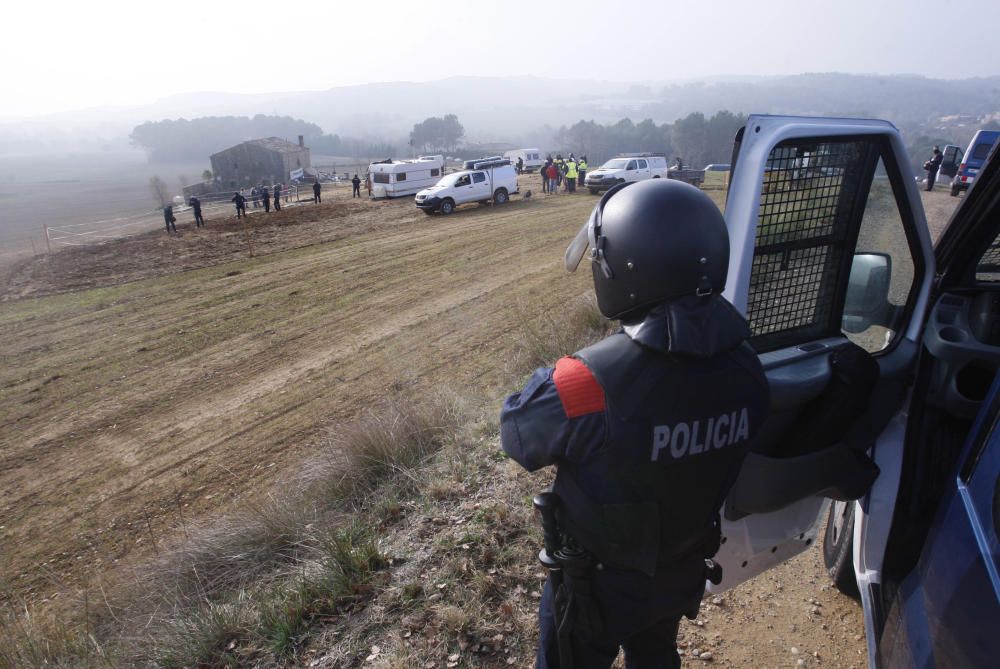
[[277, 197], [265, 195], [632, 521], [199, 220], [544, 172], [571, 174], [317, 189], [255, 196], [241, 204], [356, 184], [932, 167], [168, 218], [553, 174], [582, 168]]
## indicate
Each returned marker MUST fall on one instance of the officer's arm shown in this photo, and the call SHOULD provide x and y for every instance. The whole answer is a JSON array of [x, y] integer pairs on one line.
[[558, 415]]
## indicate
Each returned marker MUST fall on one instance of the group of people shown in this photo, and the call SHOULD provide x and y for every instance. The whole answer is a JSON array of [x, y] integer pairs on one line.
[[563, 173], [260, 195], [171, 221]]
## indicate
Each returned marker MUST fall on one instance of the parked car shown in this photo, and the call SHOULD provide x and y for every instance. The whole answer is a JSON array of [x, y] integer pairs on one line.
[[881, 351], [626, 168], [965, 174], [489, 180]]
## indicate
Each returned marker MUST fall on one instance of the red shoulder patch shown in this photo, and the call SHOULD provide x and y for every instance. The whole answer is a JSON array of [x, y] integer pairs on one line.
[[579, 391]]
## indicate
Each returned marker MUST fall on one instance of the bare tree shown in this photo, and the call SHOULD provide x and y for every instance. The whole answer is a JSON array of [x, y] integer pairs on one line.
[[158, 187]]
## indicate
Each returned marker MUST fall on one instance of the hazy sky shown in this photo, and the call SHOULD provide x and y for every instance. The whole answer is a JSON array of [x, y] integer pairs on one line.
[[61, 55]]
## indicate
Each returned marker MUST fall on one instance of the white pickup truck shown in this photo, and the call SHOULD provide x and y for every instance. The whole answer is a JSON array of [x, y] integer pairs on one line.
[[627, 167], [492, 179]]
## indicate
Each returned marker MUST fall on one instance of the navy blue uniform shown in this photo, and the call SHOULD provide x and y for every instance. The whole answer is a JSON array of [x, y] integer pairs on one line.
[[648, 429]]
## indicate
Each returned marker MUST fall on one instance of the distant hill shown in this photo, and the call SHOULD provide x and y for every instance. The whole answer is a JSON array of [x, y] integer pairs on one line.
[[516, 108]]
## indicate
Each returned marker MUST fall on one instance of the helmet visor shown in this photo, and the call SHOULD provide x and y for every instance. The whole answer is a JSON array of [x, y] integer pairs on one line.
[[578, 247]]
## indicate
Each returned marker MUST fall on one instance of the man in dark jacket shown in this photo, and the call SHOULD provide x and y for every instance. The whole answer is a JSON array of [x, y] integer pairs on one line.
[[199, 220], [932, 166], [241, 205], [265, 196], [356, 182], [648, 429], [168, 218], [277, 197], [317, 189]]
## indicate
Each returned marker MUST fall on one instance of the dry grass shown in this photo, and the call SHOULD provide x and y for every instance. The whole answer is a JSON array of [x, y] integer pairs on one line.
[[546, 337], [260, 587]]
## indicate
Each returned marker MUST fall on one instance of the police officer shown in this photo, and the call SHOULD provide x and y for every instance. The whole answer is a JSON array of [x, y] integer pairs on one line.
[[168, 218], [932, 166], [199, 220], [317, 190], [356, 183], [277, 197], [265, 196], [241, 204], [648, 429]]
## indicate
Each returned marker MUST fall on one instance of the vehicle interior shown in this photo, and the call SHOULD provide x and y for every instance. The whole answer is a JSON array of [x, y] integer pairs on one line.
[[960, 358]]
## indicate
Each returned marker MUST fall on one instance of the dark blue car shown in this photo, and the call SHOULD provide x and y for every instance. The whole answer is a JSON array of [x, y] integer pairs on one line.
[[975, 156]]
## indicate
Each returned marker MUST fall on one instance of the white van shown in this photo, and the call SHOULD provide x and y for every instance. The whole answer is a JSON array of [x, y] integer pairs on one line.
[[493, 179], [627, 167], [396, 178], [532, 158]]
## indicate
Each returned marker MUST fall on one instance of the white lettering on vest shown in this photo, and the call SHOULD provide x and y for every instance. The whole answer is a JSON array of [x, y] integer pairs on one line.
[[689, 439], [679, 449], [661, 437], [719, 438]]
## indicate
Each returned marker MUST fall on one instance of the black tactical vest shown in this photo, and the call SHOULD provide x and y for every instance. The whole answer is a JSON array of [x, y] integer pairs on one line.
[[678, 428]]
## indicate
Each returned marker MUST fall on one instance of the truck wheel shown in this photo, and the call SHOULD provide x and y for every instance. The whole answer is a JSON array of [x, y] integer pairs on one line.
[[500, 197], [838, 548], [447, 207], [954, 190]]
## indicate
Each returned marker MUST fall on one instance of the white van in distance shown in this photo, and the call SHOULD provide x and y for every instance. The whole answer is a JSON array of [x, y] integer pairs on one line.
[[627, 167], [489, 179], [396, 178], [532, 158]]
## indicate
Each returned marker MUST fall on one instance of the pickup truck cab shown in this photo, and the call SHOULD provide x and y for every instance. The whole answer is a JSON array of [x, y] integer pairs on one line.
[[494, 181], [626, 168], [881, 352]]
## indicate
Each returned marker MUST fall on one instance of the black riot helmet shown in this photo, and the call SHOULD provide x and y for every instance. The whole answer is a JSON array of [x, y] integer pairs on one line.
[[651, 242]]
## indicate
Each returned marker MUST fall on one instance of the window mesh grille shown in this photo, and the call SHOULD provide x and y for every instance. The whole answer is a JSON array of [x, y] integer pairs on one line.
[[988, 268], [807, 225]]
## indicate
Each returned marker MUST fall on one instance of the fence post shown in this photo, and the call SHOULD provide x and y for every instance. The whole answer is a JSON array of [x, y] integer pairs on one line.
[[48, 244]]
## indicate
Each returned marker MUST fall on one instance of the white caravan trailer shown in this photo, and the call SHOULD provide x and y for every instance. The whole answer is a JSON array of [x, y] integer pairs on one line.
[[532, 158], [396, 178]]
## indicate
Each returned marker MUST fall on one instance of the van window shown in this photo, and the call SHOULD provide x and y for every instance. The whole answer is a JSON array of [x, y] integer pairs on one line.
[[380, 178], [981, 151], [642, 164], [401, 176], [435, 172], [479, 177], [631, 165]]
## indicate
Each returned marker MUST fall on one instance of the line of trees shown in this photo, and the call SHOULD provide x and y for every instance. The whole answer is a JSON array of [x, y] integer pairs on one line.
[[695, 138]]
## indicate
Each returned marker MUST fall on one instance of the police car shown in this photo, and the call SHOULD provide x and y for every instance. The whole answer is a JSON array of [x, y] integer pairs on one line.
[[881, 350]]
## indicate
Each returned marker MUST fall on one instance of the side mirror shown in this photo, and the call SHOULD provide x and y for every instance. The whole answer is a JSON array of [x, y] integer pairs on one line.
[[867, 301]]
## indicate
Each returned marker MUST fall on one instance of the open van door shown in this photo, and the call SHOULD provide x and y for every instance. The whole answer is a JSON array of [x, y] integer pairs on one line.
[[952, 158], [831, 262]]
